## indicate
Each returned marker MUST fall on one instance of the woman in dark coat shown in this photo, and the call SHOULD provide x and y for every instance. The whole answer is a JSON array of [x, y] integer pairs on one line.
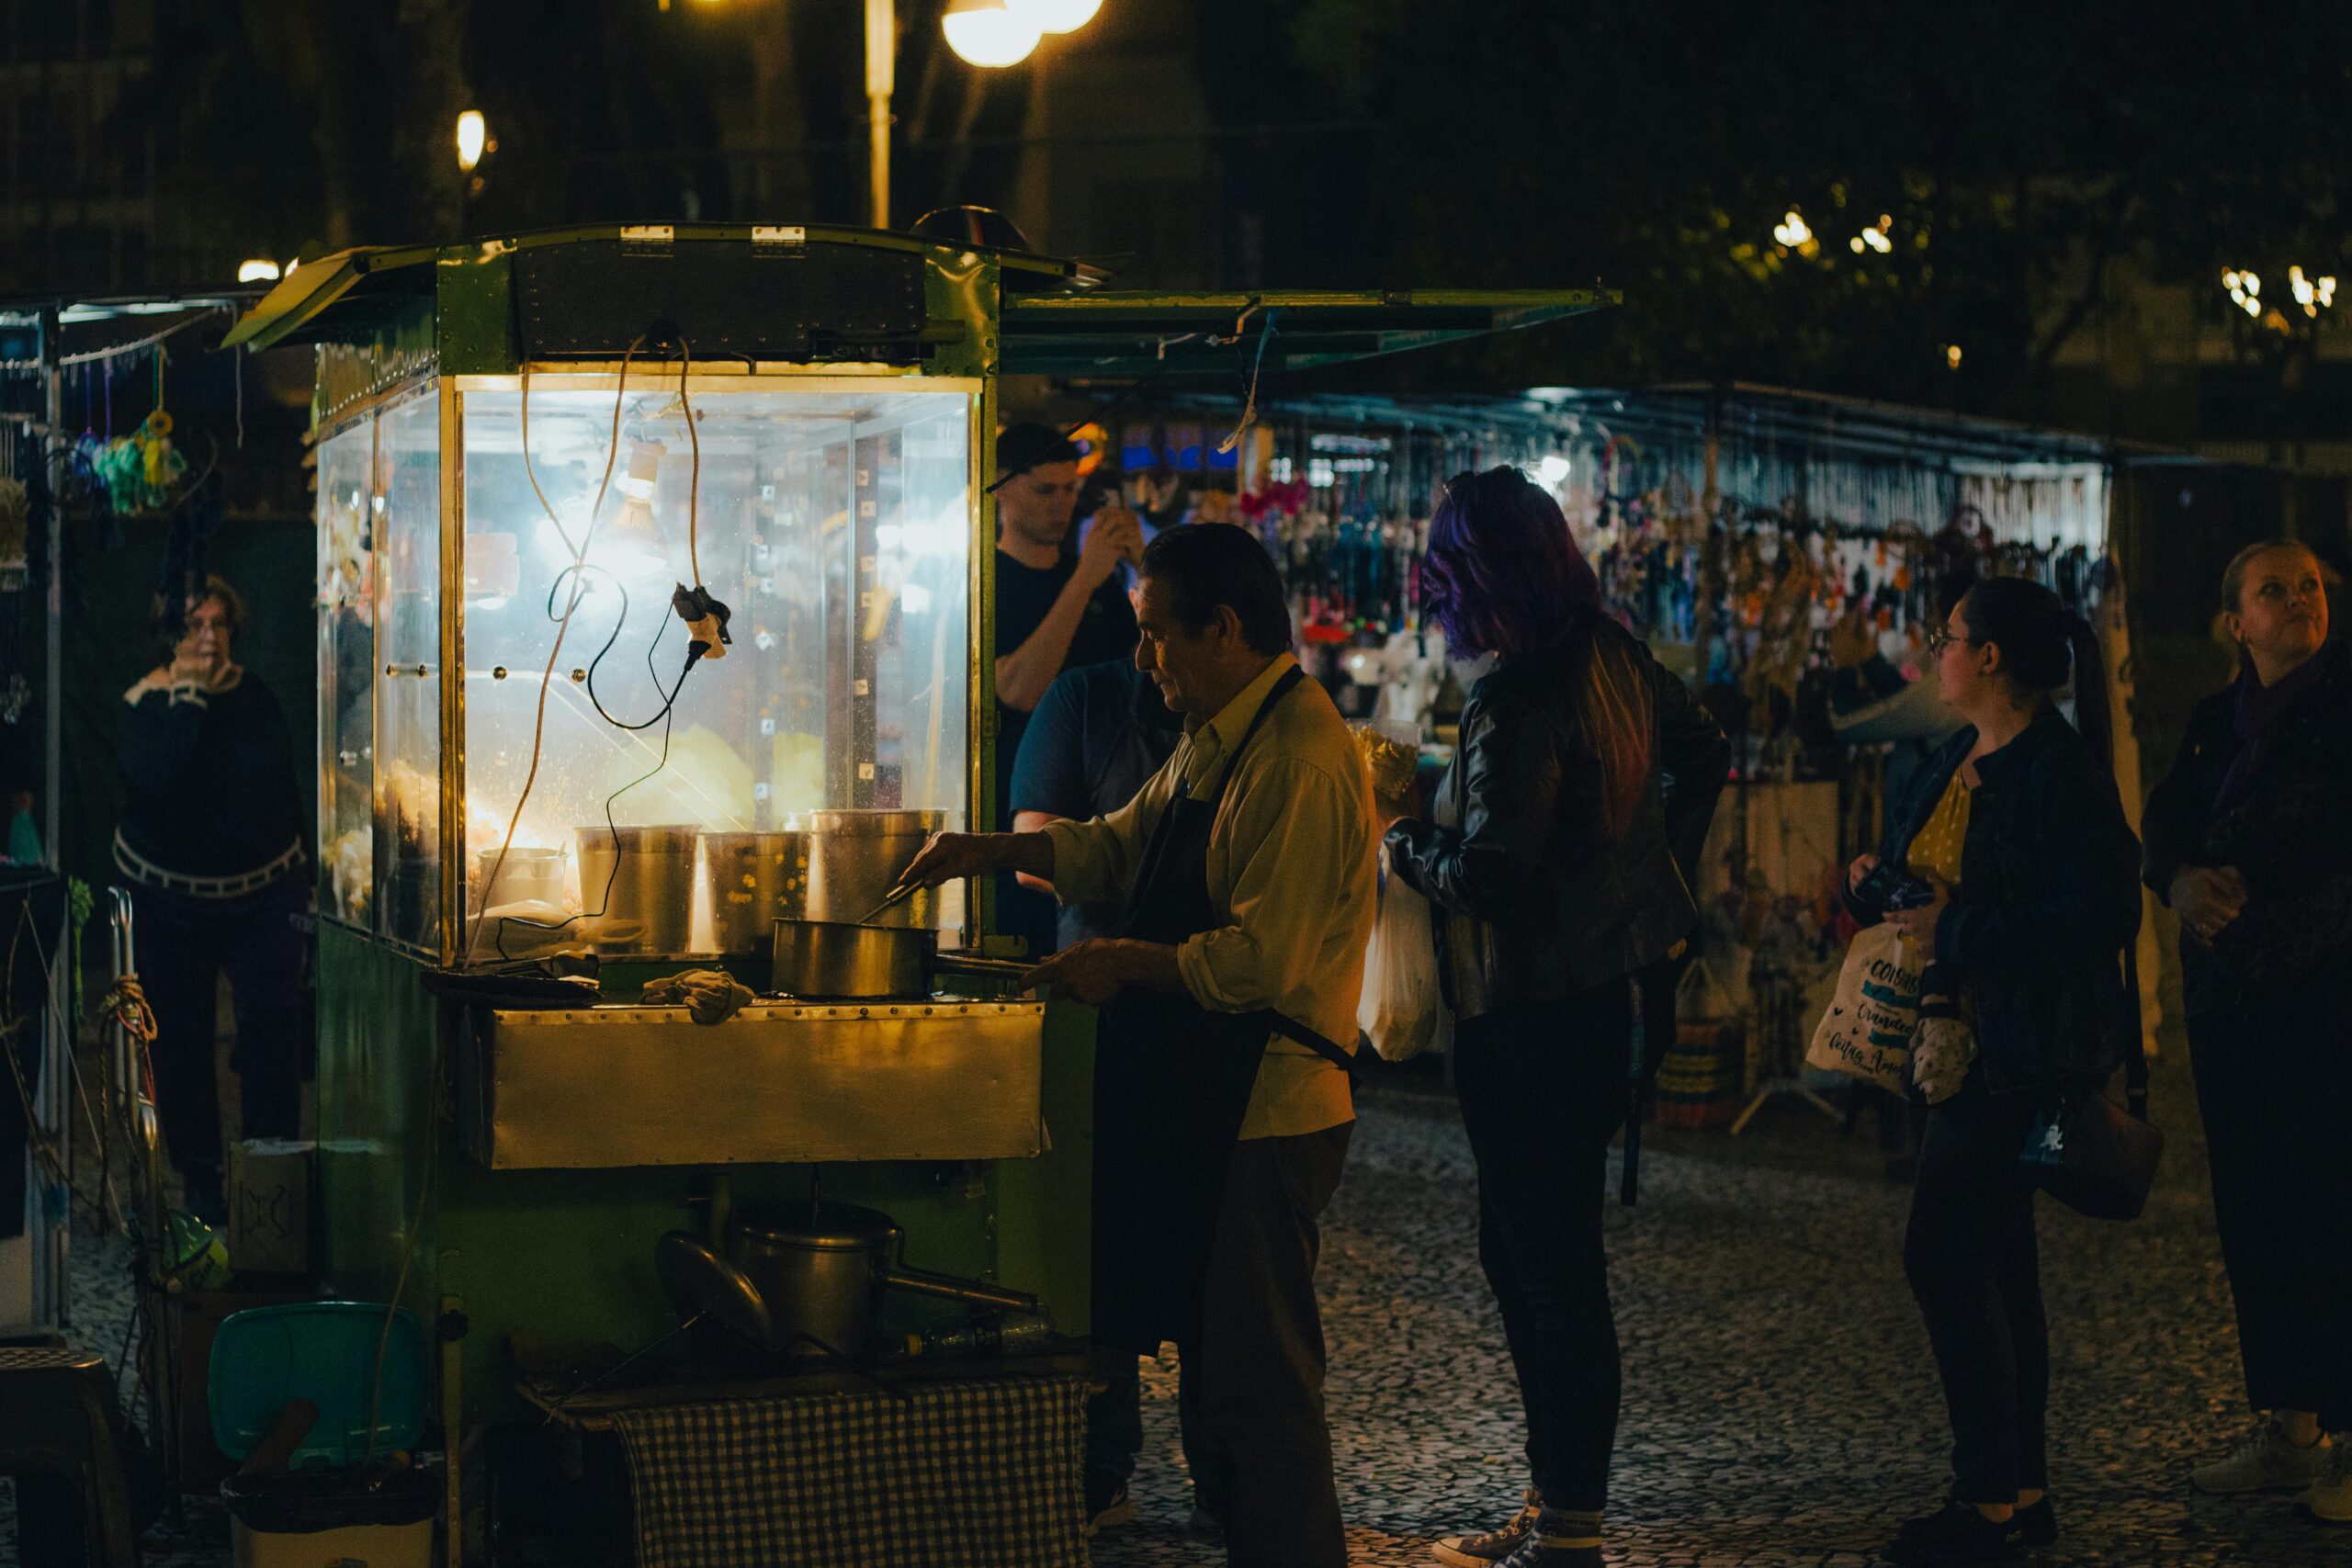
[[2247, 841], [2015, 826], [1585, 770], [211, 847]]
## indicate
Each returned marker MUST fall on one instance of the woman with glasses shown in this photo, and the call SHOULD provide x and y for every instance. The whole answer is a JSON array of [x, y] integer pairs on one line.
[[2247, 841], [211, 846], [2023, 893], [1584, 769]]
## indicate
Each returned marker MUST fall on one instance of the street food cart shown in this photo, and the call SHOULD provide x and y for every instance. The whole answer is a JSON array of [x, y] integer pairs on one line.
[[548, 467]]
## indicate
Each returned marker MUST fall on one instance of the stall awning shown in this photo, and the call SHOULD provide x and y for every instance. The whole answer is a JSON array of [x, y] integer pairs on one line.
[[341, 296], [1112, 333]]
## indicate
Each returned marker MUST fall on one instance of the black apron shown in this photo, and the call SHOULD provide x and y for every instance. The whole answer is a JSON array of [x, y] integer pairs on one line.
[[1171, 1083]]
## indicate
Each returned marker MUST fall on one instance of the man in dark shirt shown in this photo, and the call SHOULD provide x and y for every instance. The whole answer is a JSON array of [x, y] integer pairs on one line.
[[1101, 732], [1053, 609]]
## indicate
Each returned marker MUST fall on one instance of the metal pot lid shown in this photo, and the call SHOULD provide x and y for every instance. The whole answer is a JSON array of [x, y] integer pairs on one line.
[[698, 1281], [877, 823], [829, 1227]]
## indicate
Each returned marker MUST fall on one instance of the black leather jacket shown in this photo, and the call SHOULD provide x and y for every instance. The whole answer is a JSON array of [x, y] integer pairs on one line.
[[2047, 901], [2293, 945], [1535, 900]]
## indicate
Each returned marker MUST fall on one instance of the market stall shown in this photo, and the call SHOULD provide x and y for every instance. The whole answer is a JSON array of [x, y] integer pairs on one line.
[[654, 583], [1784, 551]]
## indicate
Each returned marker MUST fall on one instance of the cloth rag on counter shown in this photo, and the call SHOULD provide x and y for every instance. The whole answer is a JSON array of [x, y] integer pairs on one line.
[[709, 996]]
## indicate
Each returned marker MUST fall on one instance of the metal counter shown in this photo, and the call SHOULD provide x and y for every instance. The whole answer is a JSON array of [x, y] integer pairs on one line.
[[781, 1082]]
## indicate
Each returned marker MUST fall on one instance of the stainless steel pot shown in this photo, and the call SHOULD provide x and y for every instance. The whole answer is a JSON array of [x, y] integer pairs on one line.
[[834, 960], [652, 889], [755, 879], [812, 1279], [854, 857]]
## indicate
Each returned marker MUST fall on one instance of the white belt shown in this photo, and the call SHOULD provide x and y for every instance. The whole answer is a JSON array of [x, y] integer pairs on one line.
[[147, 873]]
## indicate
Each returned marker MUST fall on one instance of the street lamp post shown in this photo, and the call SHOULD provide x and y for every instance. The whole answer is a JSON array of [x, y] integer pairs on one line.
[[1007, 31], [881, 57]]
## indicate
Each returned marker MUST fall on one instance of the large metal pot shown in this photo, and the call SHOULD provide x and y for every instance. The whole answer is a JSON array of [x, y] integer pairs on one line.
[[807, 1282], [854, 857], [652, 888], [755, 879], [835, 960]]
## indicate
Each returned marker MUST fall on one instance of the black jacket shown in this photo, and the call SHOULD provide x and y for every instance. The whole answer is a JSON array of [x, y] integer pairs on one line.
[[1536, 899], [210, 782], [2287, 837], [2046, 903]]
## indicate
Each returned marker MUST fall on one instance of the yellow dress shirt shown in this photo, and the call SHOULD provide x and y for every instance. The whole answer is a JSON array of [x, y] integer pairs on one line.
[[1290, 873]]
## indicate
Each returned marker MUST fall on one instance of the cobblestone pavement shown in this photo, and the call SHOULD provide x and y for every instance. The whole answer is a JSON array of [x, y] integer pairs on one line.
[[1780, 1408]]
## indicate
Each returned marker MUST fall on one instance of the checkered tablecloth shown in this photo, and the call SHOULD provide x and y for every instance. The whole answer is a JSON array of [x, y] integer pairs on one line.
[[982, 1473]]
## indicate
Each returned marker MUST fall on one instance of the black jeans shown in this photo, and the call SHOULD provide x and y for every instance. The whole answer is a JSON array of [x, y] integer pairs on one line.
[[183, 945], [1542, 1090], [1975, 1272], [1115, 1429], [1260, 1451], [2275, 1087]]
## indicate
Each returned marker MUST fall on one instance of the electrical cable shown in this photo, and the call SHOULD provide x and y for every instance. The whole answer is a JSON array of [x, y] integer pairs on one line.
[[579, 556], [693, 475]]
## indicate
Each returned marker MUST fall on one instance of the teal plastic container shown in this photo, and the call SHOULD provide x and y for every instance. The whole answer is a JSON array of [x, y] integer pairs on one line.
[[266, 1359]]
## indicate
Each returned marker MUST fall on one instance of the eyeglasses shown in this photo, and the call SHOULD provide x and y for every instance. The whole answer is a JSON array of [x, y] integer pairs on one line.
[[1941, 635]]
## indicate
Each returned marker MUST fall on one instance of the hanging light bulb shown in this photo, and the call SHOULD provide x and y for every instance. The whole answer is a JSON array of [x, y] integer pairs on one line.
[[987, 33], [632, 548], [1055, 16]]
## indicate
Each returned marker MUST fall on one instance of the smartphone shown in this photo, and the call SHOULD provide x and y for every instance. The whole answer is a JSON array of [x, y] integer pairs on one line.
[[1888, 887]]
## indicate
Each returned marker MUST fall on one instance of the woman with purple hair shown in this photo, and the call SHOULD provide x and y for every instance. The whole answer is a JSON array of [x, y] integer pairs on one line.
[[1585, 772]]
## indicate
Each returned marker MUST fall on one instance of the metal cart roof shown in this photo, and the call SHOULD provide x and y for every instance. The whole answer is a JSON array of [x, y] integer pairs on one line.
[[1056, 318]]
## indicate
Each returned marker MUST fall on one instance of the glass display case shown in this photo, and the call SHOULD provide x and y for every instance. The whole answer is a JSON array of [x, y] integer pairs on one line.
[[608, 792]]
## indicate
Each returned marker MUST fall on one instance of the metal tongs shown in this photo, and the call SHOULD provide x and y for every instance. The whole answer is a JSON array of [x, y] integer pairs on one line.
[[901, 891]]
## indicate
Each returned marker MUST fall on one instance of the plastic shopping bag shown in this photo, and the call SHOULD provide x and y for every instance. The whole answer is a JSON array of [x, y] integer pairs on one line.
[[1867, 1032], [1400, 1010]]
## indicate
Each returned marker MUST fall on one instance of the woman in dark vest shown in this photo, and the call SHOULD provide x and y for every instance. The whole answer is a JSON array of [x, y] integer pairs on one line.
[[2015, 826], [2246, 843], [211, 847]]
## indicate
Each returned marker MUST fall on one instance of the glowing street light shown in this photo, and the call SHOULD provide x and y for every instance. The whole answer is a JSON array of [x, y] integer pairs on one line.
[[1795, 233], [2313, 294], [989, 32], [1055, 16], [473, 139], [259, 269]]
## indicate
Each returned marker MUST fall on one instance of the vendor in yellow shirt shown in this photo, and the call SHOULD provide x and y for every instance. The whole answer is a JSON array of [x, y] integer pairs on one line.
[[1222, 1108]]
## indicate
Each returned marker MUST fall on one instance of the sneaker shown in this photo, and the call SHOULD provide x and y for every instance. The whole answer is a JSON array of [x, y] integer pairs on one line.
[[1107, 1503], [1956, 1536], [1546, 1546], [2265, 1462], [2038, 1523], [1485, 1551], [2330, 1502]]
